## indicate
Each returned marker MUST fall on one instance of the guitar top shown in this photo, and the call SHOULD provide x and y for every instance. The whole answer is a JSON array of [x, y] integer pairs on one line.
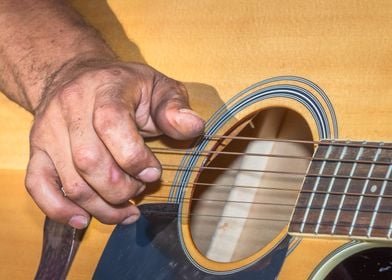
[[303, 70]]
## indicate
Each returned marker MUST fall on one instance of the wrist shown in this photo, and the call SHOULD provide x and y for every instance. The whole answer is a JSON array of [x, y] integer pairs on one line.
[[42, 40], [67, 72]]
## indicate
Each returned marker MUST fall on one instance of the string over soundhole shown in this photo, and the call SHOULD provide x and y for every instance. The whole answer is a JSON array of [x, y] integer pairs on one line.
[[245, 194]]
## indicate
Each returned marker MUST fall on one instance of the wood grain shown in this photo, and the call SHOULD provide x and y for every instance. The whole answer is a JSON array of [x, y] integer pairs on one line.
[[218, 48]]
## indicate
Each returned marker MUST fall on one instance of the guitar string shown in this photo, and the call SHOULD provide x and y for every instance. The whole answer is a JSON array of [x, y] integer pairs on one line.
[[162, 198], [177, 151], [327, 142], [155, 198], [176, 214], [332, 142], [211, 152], [213, 168], [167, 184], [170, 184], [189, 152]]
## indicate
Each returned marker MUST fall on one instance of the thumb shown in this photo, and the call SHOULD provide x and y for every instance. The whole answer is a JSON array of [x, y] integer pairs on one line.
[[173, 115]]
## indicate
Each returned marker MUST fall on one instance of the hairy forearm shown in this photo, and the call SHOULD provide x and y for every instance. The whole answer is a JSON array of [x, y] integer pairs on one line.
[[38, 40]]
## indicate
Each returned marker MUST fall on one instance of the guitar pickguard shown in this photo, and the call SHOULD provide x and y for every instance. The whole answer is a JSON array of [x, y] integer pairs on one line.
[[150, 249]]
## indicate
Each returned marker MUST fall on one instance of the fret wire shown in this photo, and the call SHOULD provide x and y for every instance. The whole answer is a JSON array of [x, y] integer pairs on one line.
[[337, 167], [359, 154], [377, 206], [188, 152], [363, 192], [314, 189]]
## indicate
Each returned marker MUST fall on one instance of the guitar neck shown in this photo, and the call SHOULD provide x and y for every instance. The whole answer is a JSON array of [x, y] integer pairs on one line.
[[347, 192]]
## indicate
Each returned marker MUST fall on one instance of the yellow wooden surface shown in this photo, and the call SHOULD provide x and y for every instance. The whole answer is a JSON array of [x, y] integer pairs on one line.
[[21, 228], [217, 48]]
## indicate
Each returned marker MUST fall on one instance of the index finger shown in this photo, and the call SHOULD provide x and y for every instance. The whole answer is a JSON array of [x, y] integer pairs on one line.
[[117, 129]]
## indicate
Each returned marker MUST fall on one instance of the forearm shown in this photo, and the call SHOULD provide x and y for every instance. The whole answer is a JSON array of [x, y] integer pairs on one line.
[[38, 40]]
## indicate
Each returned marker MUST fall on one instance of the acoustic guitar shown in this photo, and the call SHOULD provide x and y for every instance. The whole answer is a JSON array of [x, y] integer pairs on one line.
[[226, 211], [292, 178]]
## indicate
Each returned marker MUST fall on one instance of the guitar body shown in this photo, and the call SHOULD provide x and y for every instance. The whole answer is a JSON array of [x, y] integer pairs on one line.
[[204, 211], [282, 69]]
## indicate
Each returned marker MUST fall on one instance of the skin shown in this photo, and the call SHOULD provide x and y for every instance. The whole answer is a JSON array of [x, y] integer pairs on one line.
[[91, 113]]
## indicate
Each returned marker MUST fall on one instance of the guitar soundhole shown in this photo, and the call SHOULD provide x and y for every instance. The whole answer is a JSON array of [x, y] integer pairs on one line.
[[375, 263], [239, 206]]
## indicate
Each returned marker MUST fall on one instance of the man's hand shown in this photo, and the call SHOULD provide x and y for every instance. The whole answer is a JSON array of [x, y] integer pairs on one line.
[[87, 150], [91, 113]]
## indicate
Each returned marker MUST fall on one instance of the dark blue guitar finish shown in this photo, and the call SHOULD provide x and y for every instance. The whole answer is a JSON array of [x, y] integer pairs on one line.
[[150, 249]]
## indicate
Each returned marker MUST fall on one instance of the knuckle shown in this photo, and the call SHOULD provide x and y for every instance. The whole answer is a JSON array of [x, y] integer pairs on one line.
[[182, 91], [117, 198], [69, 91], [35, 178], [57, 213], [110, 82], [142, 71], [31, 181], [105, 117], [172, 85], [78, 191], [112, 217], [108, 74], [86, 159], [121, 195], [133, 156], [181, 87]]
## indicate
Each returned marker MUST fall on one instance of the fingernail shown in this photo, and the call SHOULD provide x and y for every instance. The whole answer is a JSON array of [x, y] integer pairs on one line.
[[189, 111], [149, 174], [190, 124], [131, 219], [78, 221]]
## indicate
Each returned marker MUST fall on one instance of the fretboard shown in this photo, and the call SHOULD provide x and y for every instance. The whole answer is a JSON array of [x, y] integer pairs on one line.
[[347, 192]]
